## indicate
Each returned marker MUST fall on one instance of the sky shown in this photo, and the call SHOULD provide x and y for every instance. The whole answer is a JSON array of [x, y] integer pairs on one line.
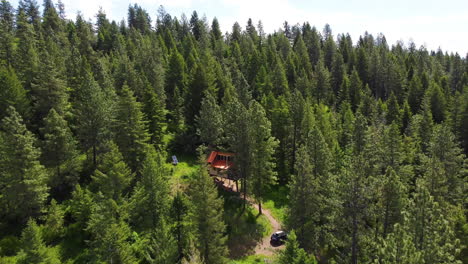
[[430, 23]]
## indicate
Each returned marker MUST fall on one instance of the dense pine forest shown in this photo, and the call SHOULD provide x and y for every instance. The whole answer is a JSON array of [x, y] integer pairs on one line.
[[361, 144]]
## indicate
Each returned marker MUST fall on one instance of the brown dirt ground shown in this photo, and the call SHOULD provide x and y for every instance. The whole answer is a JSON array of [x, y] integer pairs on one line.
[[264, 247]]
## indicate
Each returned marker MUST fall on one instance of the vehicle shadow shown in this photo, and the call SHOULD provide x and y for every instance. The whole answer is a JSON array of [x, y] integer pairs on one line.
[[274, 243]]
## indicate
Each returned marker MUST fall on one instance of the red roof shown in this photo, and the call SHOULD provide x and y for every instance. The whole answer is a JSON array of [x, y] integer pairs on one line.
[[212, 156], [220, 160]]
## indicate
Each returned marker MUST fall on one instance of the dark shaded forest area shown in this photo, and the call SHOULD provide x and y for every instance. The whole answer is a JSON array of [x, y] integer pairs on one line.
[[369, 139]]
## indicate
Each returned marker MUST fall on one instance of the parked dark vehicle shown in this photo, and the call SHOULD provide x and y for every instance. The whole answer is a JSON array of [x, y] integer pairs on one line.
[[279, 237]]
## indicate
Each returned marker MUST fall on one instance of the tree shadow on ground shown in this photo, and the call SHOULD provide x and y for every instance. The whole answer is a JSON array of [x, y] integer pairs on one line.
[[243, 228]]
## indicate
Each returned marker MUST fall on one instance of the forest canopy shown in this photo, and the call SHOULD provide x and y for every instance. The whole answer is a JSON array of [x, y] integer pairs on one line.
[[367, 141]]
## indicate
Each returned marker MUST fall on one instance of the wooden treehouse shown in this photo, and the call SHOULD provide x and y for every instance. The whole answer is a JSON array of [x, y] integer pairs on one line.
[[221, 166], [219, 163]]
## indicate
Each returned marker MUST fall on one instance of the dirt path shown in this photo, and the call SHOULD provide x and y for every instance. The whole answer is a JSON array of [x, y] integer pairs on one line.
[[264, 247]]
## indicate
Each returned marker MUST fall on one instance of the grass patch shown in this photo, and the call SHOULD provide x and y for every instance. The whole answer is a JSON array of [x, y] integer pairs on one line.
[[8, 260], [184, 169], [254, 259], [276, 200], [245, 228]]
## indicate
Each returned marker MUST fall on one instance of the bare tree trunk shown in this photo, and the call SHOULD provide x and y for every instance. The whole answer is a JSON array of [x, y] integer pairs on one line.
[[245, 193]]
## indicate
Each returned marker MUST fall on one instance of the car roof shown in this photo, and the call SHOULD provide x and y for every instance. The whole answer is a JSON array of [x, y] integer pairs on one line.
[[280, 232]]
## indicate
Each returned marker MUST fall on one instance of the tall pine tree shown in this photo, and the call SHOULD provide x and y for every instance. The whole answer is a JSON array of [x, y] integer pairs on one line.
[[24, 179], [208, 218]]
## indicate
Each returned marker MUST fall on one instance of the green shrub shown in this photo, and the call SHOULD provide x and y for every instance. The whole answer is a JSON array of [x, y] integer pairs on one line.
[[9, 246]]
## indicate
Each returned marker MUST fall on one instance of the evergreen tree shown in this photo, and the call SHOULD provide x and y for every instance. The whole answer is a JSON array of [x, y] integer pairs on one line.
[[223, 83], [80, 206], [156, 116], [393, 113], [433, 233], [6, 32], [398, 247], [302, 55], [194, 257], [181, 227], [177, 123], [301, 196], [393, 154], [32, 10], [312, 41], [131, 134], [104, 32], [48, 90], [278, 79], [437, 101], [26, 55], [337, 73], [297, 105], [344, 94], [362, 65], [405, 116], [215, 29], [281, 128], [345, 138], [462, 126], [197, 26], [355, 202], [201, 82], [12, 93], [94, 114], [59, 149], [210, 121], [355, 90], [112, 177], [51, 22], [323, 85], [415, 94], [329, 47], [24, 179], [54, 222], [444, 166], [313, 206], [291, 67], [251, 30], [149, 203], [293, 254], [262, 150], [391, 201], [238, 137], [109, 233], [262, 84], [34, 250], [139, 19], [208, 218], [426, 125], [162, 247]]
